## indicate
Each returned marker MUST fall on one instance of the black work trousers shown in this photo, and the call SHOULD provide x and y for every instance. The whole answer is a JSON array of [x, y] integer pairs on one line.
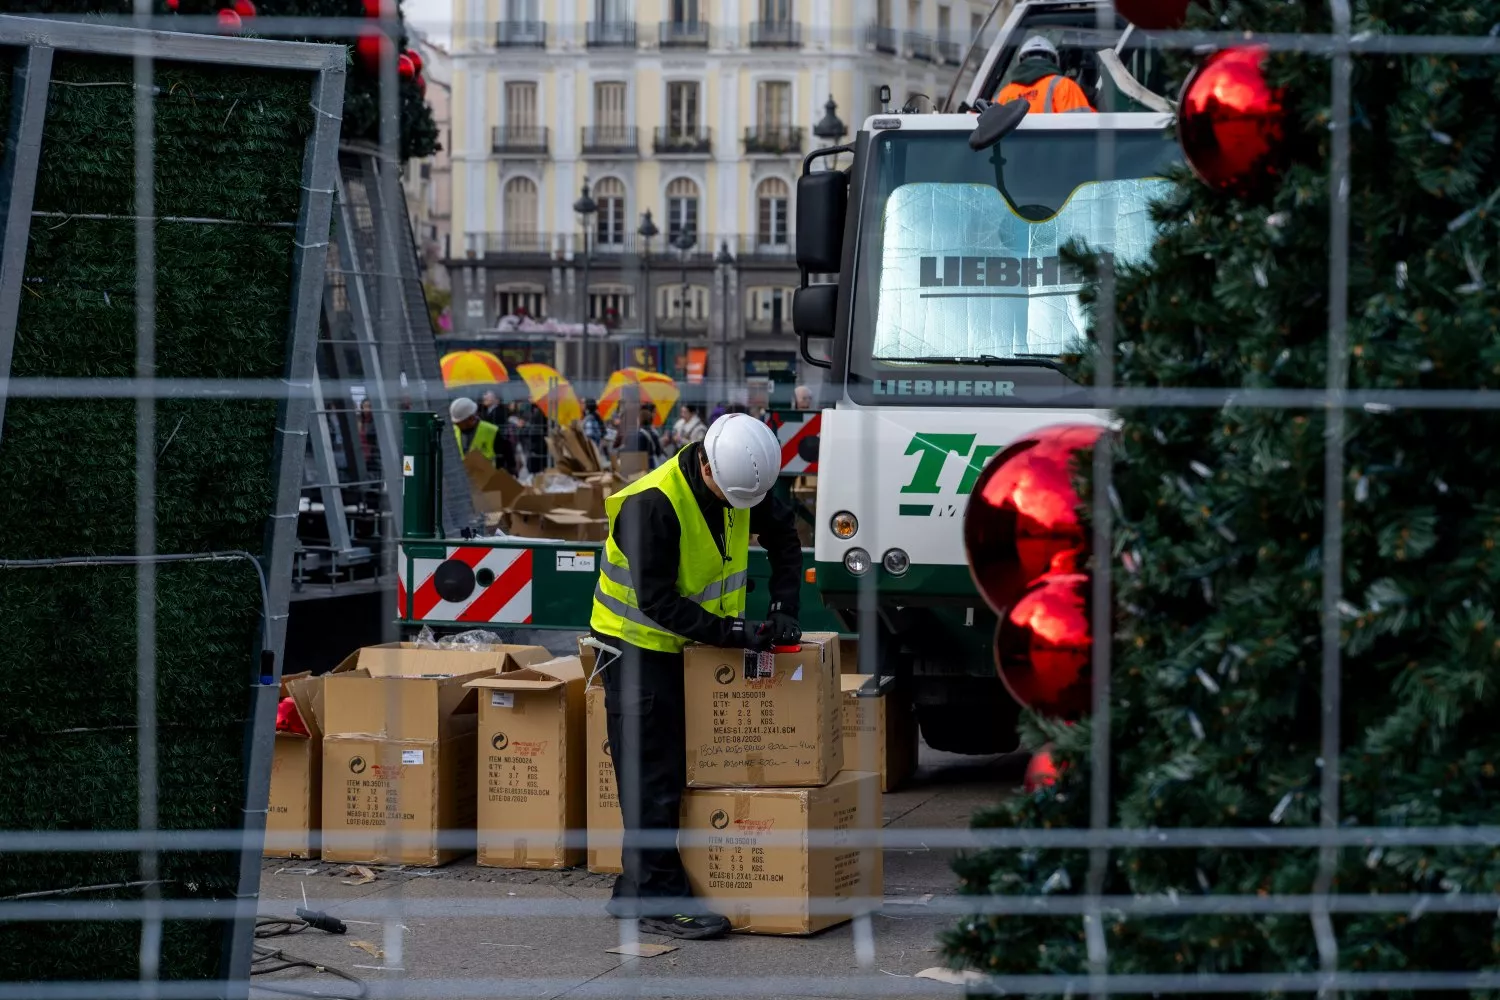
[[646, 713]]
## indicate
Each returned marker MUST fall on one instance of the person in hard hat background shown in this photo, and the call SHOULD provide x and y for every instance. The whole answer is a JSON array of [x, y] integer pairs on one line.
[[1038, 80], [472, 433], [674, 571]]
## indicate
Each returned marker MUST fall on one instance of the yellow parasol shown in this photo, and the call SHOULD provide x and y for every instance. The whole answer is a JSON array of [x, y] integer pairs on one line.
[[553, 393], [650, 387], [465, 368]]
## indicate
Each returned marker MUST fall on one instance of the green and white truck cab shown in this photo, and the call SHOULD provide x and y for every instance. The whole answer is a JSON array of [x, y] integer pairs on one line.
[[941, 334]]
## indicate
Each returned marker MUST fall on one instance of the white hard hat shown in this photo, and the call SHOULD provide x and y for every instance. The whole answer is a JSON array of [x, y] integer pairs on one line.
[[744, 456], [1036, 45], [462, 409]]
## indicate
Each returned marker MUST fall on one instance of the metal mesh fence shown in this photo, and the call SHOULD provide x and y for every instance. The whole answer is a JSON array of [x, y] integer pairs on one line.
[[337, 198]]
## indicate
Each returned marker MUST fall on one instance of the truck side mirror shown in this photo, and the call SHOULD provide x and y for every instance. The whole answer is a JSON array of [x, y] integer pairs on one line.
[[822, 203], [814, 310]]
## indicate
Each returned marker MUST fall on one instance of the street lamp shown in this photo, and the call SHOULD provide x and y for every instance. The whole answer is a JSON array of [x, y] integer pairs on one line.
[[585, 207], [725, 261], [684, 242], [647, 233], [831, 129]]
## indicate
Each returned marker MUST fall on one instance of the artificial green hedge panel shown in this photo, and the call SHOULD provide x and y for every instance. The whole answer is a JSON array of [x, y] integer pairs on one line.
[[229, 151]]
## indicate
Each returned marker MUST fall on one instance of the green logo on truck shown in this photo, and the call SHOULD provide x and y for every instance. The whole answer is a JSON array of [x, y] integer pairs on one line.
[[934, 450]]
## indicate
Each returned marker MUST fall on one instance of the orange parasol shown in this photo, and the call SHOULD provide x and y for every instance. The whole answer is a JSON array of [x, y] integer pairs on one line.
[[553, 393], [650, 387], [465, 368]]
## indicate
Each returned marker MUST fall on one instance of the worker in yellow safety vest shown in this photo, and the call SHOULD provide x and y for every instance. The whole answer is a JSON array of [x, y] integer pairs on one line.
[[472, 433], [1038, 80], [675, 571]]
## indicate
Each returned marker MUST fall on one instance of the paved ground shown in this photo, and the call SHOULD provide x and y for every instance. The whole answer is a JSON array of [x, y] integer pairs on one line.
[[551, 940]]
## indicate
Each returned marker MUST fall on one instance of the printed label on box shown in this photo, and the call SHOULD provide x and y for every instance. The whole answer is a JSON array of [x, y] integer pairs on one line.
[[411, 756], [503, 699]]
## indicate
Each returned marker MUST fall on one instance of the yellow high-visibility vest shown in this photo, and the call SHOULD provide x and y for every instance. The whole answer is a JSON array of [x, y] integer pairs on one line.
[[716, 582], [484, 439]]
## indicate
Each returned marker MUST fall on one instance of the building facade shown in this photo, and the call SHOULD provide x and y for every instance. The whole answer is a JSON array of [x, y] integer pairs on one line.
[[429, 181], [697, 112]]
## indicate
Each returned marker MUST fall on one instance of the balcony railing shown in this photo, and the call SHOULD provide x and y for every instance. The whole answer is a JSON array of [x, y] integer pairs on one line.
[[521, 35], [776, 139], [951, 53], [611, 34], [882, 38], [619, 139], [775, 35], [669, 140], [517, 244], [684, 34], [919, 45], [519, 139]]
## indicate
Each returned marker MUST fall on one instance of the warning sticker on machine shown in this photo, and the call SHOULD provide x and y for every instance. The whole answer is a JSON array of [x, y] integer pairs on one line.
[[408, 466], [576, 562]]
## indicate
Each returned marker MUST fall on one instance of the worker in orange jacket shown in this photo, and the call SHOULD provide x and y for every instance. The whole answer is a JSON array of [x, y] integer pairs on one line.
[[1038, 81]]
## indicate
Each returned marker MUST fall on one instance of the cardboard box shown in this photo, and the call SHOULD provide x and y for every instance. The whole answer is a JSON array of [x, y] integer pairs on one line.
[[398, 752], [784, 730], [294, 813], [750, 853], [605, 822], [880, 730], [531, 751], [493, 489]]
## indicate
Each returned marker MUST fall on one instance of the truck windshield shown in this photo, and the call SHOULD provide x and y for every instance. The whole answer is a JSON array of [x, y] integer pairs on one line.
[[960, 257]]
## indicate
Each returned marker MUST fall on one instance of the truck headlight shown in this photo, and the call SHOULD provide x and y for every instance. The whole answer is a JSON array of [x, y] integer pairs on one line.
[[844, 525], [857, 561], [896, 562]]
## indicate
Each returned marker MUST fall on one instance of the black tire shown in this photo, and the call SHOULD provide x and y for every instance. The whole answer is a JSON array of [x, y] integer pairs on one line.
[[972, 719]]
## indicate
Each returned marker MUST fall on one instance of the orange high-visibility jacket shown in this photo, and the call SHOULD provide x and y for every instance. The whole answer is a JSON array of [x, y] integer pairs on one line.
[[1051, 94]]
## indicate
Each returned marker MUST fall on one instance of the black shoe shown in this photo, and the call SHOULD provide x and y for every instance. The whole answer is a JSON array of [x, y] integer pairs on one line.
[[691, 926], [623, 907]]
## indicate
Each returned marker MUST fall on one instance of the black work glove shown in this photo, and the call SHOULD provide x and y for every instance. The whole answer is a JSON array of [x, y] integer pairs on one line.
[[784, 628], [757, 636]]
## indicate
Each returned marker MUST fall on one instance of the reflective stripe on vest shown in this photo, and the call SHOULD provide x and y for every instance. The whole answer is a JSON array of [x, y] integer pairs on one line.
[[1051, 86], [714, 582]]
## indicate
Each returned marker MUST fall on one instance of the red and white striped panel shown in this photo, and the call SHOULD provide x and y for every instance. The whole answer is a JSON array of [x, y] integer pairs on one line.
[[506, 600], [791, 435]]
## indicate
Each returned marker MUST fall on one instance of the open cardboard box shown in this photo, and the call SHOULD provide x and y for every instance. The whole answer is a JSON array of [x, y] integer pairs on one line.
[[398, 751], [294, 814], [531, 745], [493, 489]]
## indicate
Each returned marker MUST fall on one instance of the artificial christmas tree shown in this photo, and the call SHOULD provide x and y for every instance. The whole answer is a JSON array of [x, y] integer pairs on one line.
[[1218, 560]]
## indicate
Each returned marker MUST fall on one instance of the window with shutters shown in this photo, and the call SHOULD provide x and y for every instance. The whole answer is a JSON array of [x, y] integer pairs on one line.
[[682, 209], [609, 107], [521, 300], [776, 11], [520, 105], [611, 304], [671, 303], [520, 207], [682, 109], [686, 12], [771, 203], [609, 195], [769, 310], [774, 104]]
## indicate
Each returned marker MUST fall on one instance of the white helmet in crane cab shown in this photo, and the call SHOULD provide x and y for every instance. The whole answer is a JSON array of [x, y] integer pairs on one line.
[[744, 457], [1037, 47]]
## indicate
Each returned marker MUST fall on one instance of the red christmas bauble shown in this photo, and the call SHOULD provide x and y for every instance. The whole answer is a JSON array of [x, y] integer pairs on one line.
[[421, 84], [288, 719], [1041, 771], [368, 49], [1023, 511], [416, 58], [405, 66], [372, 8], [1231, 121], [244, 8], [229, 22], [1153, 15], [172, 5], [1043, 646]]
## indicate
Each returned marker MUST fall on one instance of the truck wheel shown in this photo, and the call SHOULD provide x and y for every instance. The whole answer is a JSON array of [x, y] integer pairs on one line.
[[974, 719]]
